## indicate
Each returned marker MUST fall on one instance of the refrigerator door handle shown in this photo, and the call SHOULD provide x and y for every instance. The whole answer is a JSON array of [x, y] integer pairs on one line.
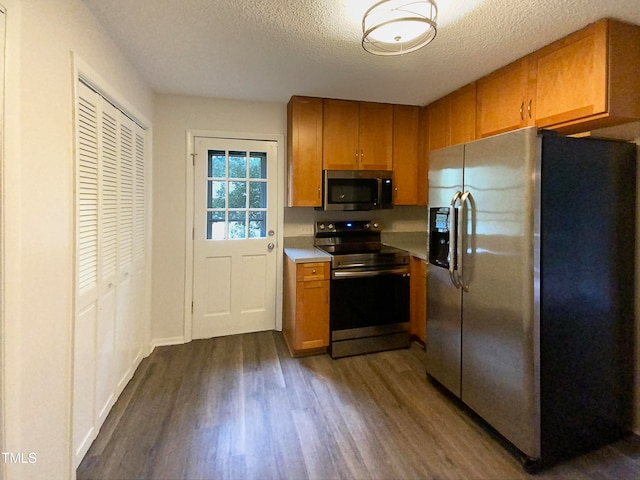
[[453, 236], [460, 229]]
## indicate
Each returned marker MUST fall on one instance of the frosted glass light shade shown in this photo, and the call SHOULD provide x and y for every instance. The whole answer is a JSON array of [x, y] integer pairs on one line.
[[396, 27]]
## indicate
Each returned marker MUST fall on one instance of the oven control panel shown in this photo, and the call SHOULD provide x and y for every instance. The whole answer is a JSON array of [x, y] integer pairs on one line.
[[344, 226]]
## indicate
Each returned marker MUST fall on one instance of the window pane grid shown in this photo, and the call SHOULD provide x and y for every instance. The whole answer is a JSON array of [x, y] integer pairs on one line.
[[236, 195]]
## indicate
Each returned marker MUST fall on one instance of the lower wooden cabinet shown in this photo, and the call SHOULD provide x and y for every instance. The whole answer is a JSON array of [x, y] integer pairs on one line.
[[418, 299], [306, 307]]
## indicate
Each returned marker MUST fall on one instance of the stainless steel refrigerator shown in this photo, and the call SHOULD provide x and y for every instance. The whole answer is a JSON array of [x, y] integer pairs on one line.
[[530, 287]]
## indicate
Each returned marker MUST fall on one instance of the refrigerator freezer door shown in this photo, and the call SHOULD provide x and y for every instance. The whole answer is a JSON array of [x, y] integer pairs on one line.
[[444, 300], [587, 292], [499, 379]]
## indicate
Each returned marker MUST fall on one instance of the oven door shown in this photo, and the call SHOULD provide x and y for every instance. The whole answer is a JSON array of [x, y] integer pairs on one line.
[[369, 310]]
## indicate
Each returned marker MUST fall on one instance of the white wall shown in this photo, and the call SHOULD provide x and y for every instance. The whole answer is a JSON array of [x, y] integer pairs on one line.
[[39, 209], [174, 116]]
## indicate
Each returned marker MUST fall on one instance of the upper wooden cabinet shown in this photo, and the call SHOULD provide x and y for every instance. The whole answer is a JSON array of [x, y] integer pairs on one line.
[[462, 105], [503, 100], [439, 120], [340, 134], [405, 154], [423, 157], [357, 135], [452, 119], [588, 79], [304, 152]]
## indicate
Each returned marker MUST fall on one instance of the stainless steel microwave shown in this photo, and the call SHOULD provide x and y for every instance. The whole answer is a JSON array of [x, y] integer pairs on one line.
[[357, 190]]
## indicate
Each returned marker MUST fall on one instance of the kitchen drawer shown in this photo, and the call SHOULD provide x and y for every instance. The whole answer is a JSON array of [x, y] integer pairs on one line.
[[307, 272]]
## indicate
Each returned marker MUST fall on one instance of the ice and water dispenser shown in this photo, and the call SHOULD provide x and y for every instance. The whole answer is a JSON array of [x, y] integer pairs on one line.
[[439, 224]]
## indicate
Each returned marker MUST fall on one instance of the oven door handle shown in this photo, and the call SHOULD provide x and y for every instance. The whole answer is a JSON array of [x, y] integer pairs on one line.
[[343, 275]]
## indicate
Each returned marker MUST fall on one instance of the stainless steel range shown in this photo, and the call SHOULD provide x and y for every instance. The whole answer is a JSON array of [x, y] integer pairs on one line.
[[369, 298]]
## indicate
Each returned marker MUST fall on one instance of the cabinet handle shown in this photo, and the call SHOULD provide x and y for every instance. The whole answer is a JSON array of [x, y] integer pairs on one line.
[[522, 111], [529, 107]]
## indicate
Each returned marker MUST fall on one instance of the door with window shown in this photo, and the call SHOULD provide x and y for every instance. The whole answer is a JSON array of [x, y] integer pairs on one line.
[[234, 240]]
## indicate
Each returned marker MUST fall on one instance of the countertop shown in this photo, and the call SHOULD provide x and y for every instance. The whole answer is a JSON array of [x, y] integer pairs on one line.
[[413, 242], [301, 249]]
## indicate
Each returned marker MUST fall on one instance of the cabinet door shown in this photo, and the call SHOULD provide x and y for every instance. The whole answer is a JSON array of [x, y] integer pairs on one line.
[[376, 136], [418, 298], [340, 135], [439, 119], [571, 77], [312, 328], [423, 159], [462, 115], [405, 154], [588, 79], [304, 152], [503, 100]]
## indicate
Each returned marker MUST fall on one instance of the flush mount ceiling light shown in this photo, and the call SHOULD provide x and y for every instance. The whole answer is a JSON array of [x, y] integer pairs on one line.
[[396, 27]]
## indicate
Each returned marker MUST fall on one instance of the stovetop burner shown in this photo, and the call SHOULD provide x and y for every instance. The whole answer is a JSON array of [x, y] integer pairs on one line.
[[357, 244]]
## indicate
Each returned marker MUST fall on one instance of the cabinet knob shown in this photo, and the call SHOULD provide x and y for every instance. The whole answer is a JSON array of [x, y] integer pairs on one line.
[[313, 271]]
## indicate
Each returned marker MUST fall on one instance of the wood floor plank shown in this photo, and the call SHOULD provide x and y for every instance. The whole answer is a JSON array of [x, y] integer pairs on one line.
[[240, 407]]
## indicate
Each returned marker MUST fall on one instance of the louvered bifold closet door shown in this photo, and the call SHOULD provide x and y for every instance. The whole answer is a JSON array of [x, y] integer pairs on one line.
[[87, 195], [112, 277], [124, 317], [139, 240], [108, 259]]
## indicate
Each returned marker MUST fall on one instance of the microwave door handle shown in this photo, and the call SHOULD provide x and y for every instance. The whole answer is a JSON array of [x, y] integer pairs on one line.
[[453, 233]]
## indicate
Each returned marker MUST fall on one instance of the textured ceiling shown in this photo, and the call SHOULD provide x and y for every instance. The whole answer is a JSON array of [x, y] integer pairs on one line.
[[271, 49]]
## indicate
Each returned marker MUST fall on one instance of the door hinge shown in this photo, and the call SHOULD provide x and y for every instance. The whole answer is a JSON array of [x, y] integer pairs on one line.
[[193, 158], [191, 308], [193, 233]]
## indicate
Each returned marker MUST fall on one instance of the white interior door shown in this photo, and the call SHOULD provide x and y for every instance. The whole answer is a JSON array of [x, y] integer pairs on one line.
[[234, 254]]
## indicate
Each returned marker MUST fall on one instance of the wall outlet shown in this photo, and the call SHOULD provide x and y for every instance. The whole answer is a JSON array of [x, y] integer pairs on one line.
[[305, 229]]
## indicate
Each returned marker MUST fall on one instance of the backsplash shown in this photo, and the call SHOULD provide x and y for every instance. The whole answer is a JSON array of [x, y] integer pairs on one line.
[[299, 221]]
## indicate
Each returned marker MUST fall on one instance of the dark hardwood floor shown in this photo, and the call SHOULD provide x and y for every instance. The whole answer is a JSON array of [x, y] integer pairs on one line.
[[240, 407]]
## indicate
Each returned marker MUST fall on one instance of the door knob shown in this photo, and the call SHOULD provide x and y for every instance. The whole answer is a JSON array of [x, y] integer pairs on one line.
[[271, 246]]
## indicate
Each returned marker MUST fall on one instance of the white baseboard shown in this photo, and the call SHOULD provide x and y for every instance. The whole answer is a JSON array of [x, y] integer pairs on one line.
[[165, 342]]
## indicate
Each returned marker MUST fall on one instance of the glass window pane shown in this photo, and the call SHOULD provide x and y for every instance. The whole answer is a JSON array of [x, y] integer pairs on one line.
[[237, 164], [257, 195], [217, 161], [237, 194], [215, 225], [257, 224], [258, 165], [217, 197], [237, 225]]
